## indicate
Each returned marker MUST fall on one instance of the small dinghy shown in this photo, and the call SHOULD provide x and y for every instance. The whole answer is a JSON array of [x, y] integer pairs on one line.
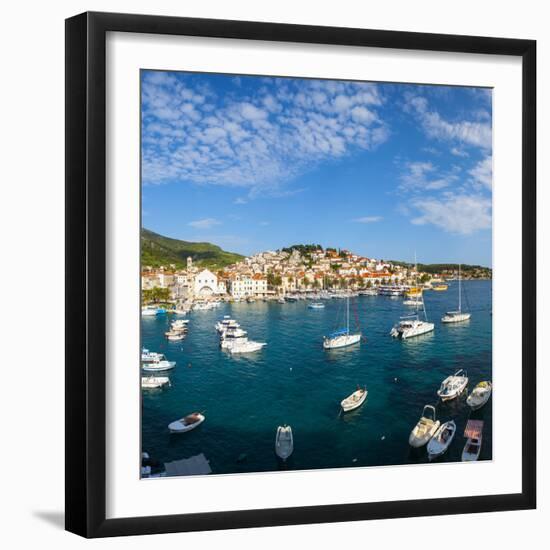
[[425, 428], [473, 433], [284, 443], [441, 440], [187, 423], [453, 385], [355, 400], [480, 395], [151, 382]]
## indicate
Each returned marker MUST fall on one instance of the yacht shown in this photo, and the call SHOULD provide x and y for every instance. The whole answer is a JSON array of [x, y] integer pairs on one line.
[[247, 346], [342, 338], [457, 316], [148, 311], [411, 325], [316, 305]]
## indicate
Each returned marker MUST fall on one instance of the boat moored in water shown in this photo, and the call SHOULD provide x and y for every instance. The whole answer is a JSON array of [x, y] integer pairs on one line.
[[187, 423], [355, 400], [425, 427], [453, 385], [441, 440], [343, 337], [246, 346], [474, 437], [409, 326], [152, 382], [284, 442], [457, 316], [480, 395], [316, 305]]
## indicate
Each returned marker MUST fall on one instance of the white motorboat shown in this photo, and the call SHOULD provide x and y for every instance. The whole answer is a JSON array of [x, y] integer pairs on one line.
[[231, 337], [425, 427], [355, 400], [414, 301], [453, 385], [474, 437], [248, 346], [409, 326], [233, 333], [391, 290], [343, 337], [316, 305], [159, 365], [150, 356], [284, 442], [187, 423], [149, 311], [151, 382], [175, 336], [457, 316], [225, 324], [480, 395], [228, 343], [281, 301], [441, 440], [180, 323]]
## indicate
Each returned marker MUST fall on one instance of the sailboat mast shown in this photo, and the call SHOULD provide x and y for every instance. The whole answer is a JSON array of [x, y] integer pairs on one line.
[[459, 291], [347, 316]]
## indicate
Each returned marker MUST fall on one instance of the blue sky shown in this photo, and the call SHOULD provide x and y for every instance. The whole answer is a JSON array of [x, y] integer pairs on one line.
[[257, 163]]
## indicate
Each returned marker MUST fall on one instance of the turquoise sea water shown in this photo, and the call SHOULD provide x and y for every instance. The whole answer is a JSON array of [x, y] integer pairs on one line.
[[294, 381]]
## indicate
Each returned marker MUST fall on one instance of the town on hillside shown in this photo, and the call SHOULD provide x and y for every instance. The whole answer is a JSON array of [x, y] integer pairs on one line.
[[275, 274]]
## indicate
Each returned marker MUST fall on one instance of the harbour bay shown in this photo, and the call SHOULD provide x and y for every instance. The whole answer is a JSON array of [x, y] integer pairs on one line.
[[293, 380]]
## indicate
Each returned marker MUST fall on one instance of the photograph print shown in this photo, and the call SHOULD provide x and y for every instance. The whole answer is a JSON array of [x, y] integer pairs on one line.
[[316, 274]]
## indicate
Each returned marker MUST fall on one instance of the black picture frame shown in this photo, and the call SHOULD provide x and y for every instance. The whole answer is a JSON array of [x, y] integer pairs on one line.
[[86, 274]]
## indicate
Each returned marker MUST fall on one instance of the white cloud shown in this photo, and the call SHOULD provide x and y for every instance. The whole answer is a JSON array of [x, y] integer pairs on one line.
[[205, 223], [368, 219], [424, 176], [473, 133], [459, 214], [259, 142], [482, 172], [457, 152]]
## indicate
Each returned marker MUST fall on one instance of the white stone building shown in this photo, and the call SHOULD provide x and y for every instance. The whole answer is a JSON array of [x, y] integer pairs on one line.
[[206, 284]]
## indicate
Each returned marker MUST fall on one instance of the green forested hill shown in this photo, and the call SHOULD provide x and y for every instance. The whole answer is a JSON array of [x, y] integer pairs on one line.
[[157, 250]]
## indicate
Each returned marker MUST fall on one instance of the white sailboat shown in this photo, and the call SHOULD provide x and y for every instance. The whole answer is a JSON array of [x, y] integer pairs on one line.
[[412, 325], [342, 338], [457, 316]]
